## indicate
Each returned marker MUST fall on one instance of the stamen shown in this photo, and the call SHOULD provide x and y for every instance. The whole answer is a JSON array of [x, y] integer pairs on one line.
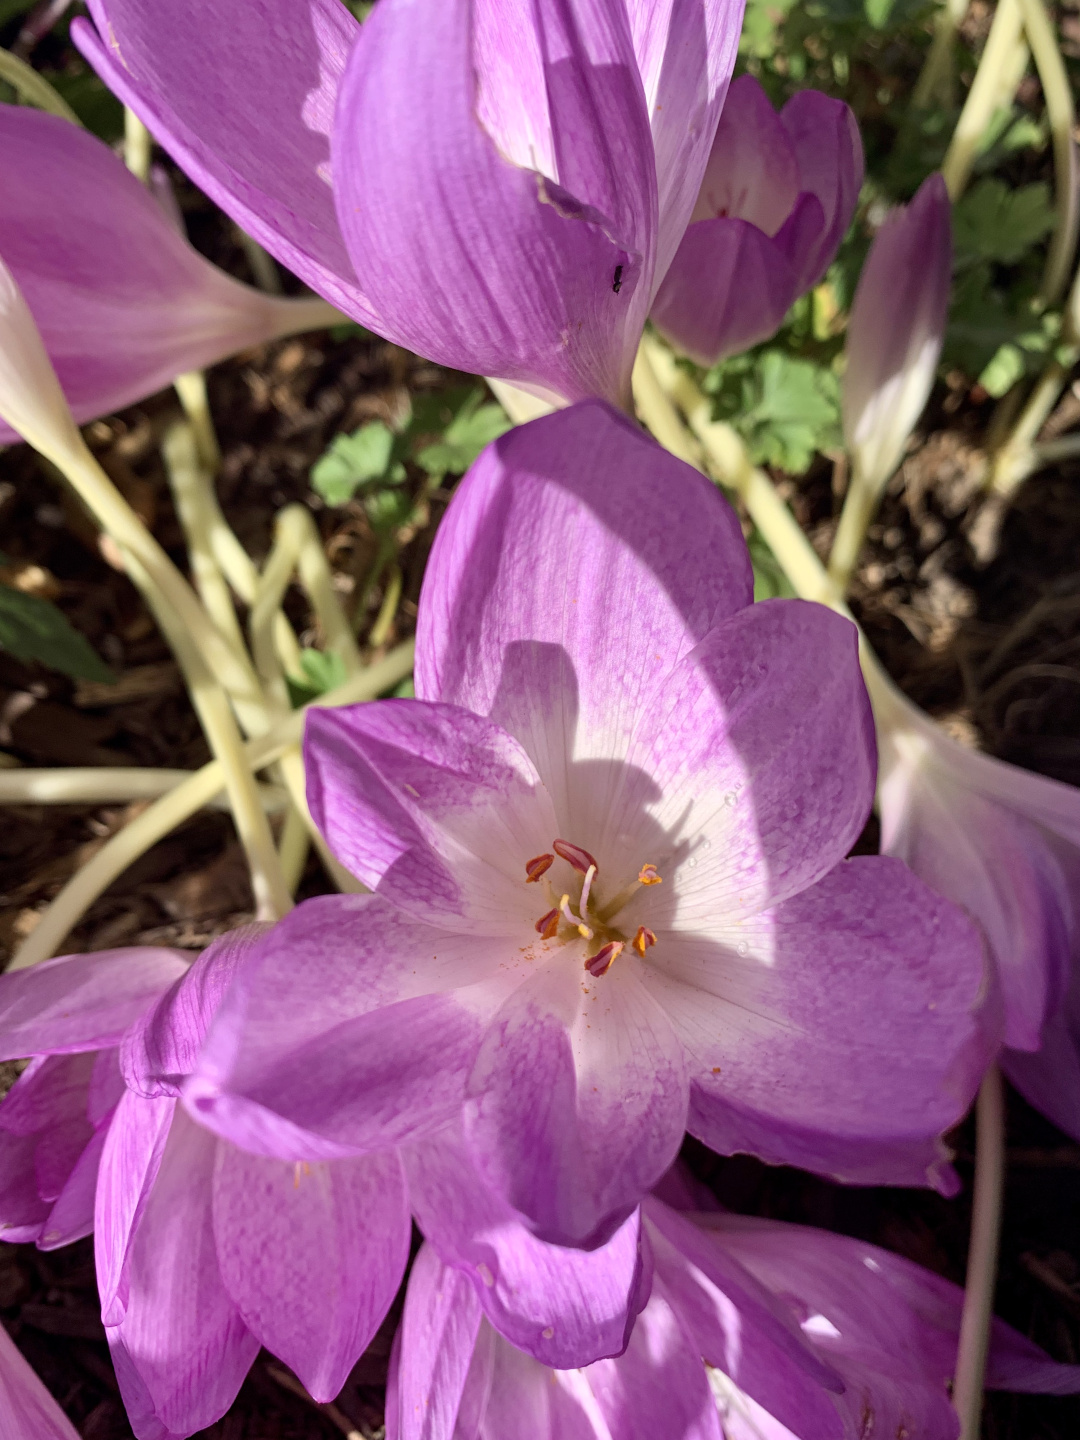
[[649, 875], [547, 925], [575, 920], [573, 855], [590, 876], [536, 867], [643, 939], [600, 963]]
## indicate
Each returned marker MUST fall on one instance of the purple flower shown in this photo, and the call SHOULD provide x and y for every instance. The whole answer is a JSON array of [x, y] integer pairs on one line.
[[203, 1252], [607, 844], [1005, 844], [755, 1330], [776, 200], [123, 303], [27, 1410], [507, 195]]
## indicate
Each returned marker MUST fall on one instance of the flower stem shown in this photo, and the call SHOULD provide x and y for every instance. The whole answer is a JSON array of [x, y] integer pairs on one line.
[[860, 507], [1000, 70], [191, 390], [33, 88], [982, 1254], [102, 785], [137, 145], [936, 78]]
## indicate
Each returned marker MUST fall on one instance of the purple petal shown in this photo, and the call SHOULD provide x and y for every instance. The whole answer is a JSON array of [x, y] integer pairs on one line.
[[22, 1210], [1049, 1078], [82, 1002], [180, 1334], [753, 173], [44, 1131], [510, 1395], [846, 1038], [123, 303], [198, 77], [564, 1307], [824, 135], [72, 1216], [347, 1032], [311, 1255], [435, 807], [564, 642], [27, 1410], [434, 1350], [533, 154], [577, 1100]]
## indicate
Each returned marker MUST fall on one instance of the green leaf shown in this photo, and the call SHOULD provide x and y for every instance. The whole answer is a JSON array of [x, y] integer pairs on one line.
[[878, 12], [321, 670], [473, 427], [355, 460], [993, 222], [34, 629], [786, 408], [388, 510]]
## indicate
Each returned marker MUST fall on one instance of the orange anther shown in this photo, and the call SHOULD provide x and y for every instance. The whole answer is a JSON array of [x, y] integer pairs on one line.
[[649, 875], [643, 939], [547, 925], [537, 866], [600, 963], [573, 855]]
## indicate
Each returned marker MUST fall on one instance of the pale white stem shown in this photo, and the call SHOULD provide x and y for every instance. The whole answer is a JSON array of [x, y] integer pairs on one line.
[[191, 390], [379, 632], [1015, 460], [291, 769], [936, 78], [107, 785], [293, 847], [262, 265], [137, 145], [860, 506], [33, 88], [995, 82], [656, 409], [316, 577]]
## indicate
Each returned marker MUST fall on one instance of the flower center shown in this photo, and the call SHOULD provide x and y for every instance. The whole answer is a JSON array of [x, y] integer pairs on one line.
[[579, 913]]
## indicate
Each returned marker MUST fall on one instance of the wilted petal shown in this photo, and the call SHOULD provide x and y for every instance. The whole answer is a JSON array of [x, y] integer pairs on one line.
[[563, 642], [565, 1307], [199, 77], [824, 136], [122, 302], [82, 1002], [533, 154], [312, 1255], [27, 1410], [577, 1100], [848, 1036]]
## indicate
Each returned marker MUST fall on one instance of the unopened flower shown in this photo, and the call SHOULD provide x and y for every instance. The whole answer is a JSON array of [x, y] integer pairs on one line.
[[508, 189], [203, 1252], [596, 687], [776, 199], [122, 301], [755, 1330], [27, 1410], [895, 332]]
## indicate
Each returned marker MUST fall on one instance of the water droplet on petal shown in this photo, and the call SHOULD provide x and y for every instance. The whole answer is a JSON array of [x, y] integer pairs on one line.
[[743, 948]]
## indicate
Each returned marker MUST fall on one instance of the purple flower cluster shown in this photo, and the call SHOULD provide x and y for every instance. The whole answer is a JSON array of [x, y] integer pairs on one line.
[[605, 846]]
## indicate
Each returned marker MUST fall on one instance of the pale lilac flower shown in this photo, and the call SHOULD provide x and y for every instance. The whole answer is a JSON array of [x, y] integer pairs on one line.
[[895, 332], [122, 301], [775, 202], [1005, 844], [27, 1410], [755, 1330], [203, 1252], [607, 847], [508, 189]]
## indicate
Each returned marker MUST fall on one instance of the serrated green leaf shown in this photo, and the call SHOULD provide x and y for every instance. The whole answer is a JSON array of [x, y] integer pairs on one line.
[[473, 427], [355, 460], [793, 412], [993, 222], [34, 629]]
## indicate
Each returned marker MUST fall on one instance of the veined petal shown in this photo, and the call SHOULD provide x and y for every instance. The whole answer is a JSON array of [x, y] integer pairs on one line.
[[753, 172], [846, 1038], [82, 1002], [22, 1211], [577, 1100], [199, 78], [432, 1352], [72, 1216], [531, 258], [27, 1410], [824, 135], [436, 808], [311, 1255], [577, 565], [565, 1307]]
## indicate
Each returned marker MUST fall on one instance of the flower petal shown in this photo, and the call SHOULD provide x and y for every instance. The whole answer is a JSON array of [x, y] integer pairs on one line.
[[27, 1410], [22, 1211], [576, 1100], [347, 1032], [847, 1039], [437, 808], [533, 153], [312, 1256], [564, 1307], [72, 1216], [824, 135], [433, 1350], [198, 78], [564, 645], [82, 1002], [752, 173]]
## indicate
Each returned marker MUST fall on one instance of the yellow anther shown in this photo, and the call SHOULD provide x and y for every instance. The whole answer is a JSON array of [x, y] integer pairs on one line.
[[649, 875]]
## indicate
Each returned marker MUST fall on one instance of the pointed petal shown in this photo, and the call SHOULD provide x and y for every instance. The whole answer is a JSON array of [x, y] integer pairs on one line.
[[577, 1101], [532, 149], [312, 1256], [564, 646], [198, 78], [435, 1347], [27, 1410], [824, 135], [564, 1307], [82, 1002], [437, 808]]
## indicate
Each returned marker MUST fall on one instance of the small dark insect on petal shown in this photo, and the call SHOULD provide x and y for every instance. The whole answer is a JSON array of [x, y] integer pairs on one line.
[[616, 284]]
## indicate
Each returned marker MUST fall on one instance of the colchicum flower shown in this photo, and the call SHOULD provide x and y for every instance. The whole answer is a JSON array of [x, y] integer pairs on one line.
[[203, 1252], [1005, 844], [776, 200], [122, 301], [755, 1330], [607, 848], [553, 161]]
